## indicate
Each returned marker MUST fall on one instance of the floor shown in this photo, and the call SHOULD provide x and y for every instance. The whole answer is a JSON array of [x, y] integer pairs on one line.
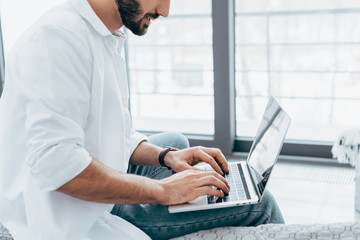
[[308, 193]]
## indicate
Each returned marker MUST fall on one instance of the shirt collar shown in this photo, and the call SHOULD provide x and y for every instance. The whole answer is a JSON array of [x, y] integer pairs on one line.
[[85, 10]]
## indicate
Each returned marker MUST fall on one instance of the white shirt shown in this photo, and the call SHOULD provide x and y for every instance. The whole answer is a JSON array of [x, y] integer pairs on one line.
[[65, 101]]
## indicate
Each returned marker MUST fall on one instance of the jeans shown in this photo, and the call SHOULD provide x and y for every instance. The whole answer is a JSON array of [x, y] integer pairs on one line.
[[156, 221]]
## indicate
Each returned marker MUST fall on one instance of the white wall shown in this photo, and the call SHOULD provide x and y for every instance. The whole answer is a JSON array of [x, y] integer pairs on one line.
[[18, 15]]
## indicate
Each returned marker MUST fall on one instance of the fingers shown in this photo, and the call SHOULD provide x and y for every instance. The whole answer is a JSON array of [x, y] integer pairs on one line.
[[219, 156], [183, 166], [214, 157], [210, 191], [191, 184], [204, 157], [216, 180]]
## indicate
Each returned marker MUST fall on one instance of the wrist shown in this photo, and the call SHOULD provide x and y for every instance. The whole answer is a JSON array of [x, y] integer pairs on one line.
[[165, 157], [168, 159], [161, 194], [157, 192]]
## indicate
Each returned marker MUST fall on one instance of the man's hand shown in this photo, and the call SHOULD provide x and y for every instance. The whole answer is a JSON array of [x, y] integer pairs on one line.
[[190, 184], [187, 158]]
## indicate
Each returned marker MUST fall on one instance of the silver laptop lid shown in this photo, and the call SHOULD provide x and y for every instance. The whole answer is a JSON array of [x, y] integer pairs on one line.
[[267, 144]]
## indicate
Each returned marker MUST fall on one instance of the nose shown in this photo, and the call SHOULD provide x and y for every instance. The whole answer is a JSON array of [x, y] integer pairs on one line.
[[164, 8]]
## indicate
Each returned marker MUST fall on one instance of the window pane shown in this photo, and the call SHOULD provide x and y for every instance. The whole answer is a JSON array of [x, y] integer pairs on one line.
[[171, 72], [306, 57], [286, 5]]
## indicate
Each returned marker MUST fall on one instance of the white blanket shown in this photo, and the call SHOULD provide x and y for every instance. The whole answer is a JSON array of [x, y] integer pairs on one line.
[[343, 231]]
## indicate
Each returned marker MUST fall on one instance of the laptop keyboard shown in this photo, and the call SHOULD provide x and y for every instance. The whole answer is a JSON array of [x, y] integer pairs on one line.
[[235, 178]]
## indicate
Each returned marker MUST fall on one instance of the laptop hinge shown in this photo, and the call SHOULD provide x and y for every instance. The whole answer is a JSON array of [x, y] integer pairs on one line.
[[258, 193]]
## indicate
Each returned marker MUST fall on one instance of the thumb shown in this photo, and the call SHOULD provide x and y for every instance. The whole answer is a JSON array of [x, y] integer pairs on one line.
[[184, 167]]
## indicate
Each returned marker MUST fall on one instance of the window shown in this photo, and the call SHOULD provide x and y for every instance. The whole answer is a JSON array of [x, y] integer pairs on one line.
[[208, 69], [305, 53], [171, 71]]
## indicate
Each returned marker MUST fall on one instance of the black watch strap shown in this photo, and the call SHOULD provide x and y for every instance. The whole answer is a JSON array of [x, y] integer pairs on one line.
[[162, 156]]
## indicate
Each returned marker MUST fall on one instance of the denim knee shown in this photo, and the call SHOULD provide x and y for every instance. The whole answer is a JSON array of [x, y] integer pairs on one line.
[[271, 208], [173, 139], [180, 141]]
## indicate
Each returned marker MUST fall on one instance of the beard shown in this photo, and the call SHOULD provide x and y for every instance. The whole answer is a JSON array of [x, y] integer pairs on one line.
[[132, 16]]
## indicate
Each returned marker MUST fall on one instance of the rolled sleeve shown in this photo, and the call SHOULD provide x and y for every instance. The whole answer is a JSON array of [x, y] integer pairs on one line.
[[55, 168], [53, 84], [55, 142]]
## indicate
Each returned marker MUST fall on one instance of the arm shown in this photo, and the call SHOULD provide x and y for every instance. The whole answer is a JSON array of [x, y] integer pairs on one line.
[[99, 183], [146, 154]]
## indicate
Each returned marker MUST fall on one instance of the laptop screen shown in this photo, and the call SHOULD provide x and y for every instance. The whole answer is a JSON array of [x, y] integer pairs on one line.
[[267, 143]]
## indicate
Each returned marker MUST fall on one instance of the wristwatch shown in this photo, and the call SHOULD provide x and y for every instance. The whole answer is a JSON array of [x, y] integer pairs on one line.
[[162, 156]]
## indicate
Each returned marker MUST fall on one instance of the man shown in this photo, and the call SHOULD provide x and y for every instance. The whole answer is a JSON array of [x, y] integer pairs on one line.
[[66, 140]]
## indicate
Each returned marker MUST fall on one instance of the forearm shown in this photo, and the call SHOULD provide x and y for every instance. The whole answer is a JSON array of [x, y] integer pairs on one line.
[[98, 183], [146, 154]]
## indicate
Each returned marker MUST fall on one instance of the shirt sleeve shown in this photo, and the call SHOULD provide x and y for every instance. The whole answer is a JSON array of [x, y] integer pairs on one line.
[[52, 78]]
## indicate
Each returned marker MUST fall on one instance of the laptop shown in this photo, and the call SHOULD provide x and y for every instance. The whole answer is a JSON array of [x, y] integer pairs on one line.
[[248, 179]]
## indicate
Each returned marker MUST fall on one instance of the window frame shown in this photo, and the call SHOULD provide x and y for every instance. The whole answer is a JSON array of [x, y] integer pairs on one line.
[[2, 61]]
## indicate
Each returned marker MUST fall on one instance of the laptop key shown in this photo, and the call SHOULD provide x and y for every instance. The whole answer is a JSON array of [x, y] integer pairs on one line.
[[236, 189], [211, 199]]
